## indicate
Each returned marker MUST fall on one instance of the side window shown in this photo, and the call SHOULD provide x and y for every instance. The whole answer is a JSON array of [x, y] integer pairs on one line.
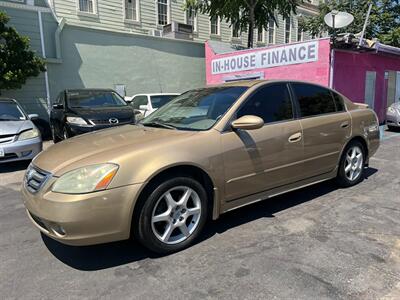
[[139, 100], [313, 100], [272, 103], [338, 102]]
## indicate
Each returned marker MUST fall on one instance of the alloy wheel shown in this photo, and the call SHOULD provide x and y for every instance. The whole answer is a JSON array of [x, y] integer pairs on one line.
[[354, 163], [176, 215]]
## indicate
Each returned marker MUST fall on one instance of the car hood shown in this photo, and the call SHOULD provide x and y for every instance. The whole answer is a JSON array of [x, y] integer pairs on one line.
[[102, 113], [14, 127], [103, 146]]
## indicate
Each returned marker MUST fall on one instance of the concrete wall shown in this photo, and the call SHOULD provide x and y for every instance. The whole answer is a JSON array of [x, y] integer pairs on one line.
[[96, 58]]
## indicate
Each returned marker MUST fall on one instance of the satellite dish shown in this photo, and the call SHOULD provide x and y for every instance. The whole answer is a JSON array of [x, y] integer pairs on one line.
[[338, 19]]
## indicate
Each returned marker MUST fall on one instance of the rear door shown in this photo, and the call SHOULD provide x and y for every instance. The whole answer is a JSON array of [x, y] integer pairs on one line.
[[326, 127], [261, 159]]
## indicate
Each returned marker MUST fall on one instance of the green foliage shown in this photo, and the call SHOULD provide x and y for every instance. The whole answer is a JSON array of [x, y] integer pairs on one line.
[[17, 61], [245, 15], [384, 22]]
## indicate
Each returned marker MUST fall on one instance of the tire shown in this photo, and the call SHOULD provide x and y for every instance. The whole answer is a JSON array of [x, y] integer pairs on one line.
[[351, 168], [161, 221], [55, 138]]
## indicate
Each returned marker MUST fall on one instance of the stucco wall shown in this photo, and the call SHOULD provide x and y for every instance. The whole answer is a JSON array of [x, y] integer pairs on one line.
[[94, 58], [317, 71], [349, 76]]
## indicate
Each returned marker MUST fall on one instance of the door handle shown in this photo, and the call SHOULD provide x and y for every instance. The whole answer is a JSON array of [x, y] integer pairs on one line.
[[295, 137], [344, 124]]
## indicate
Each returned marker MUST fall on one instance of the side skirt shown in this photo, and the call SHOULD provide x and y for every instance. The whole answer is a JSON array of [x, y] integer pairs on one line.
[[237, 203]]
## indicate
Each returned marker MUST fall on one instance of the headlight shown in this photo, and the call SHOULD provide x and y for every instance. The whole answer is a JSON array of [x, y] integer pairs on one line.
[[76, 121], [86, 180], [29, 134]]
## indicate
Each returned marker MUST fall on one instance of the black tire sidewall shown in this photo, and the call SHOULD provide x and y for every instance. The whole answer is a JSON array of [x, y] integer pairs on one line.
[[341, 178], [145, 232]]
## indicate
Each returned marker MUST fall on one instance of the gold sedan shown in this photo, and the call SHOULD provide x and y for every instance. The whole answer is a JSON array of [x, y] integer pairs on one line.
[[207, 152]]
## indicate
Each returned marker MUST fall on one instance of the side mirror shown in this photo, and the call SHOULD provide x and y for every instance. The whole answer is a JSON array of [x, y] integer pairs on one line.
[[33, 116], [143, 107], [58, 106], [248, 123]]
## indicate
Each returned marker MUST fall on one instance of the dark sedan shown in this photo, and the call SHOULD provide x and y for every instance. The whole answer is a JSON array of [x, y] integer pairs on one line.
[[80, 111]]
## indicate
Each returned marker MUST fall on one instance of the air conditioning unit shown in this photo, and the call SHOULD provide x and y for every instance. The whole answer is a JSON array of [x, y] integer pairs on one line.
[[155, 32], [178, 31]]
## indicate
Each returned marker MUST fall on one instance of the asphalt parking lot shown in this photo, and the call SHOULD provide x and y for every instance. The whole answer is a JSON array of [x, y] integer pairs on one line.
[[319, 242]]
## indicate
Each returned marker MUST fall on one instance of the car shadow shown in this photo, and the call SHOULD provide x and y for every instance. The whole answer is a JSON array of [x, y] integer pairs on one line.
[[14, 166], [98, 257]]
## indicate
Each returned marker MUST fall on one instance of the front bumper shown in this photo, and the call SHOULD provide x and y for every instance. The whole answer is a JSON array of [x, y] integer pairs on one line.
[[393, 120], [21, 150], [84, 219], [77, 130]]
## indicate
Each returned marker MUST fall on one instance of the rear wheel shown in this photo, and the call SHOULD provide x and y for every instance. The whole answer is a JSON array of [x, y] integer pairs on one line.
[[352, 165], [173, 215]]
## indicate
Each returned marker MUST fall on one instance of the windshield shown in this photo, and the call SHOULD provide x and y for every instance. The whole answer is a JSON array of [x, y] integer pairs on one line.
[[81, 99], [9, 111], [160, 100], [195, 110]]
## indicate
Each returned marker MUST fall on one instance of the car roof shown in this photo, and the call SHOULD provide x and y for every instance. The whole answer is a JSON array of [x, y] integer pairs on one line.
[[7, 100], [250, 83], [158, 94], [86, 90]]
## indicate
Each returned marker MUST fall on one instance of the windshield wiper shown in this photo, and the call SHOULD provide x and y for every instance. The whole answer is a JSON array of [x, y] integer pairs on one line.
[[157, 124]]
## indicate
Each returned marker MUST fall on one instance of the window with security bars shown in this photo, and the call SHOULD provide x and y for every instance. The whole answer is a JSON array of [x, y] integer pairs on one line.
[[191, 18], [214, 22], [162, 12], [131, 10], [87, 6]]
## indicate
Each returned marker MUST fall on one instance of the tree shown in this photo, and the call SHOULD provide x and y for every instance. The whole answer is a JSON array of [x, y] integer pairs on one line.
[[384, 21], [245, 15], [17, 61]]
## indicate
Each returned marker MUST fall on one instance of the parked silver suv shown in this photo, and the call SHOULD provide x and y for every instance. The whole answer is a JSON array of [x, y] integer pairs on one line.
[[19, 137], [393, 116]]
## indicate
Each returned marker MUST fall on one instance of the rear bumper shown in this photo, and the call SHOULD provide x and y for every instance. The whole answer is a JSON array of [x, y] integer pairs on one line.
[[21, 150]]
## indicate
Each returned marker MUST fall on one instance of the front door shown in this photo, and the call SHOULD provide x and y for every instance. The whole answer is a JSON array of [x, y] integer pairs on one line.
[[326, 127], [261, 159]]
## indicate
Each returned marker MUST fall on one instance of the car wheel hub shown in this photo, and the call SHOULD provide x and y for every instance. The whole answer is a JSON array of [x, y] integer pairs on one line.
[[176, 215], [354, 163]]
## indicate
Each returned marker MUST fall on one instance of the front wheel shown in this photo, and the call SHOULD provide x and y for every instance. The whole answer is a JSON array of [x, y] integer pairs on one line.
[[173, 215], [352, 165]]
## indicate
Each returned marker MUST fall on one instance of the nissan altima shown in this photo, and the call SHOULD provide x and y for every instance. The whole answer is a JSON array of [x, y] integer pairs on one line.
[[205, 153]]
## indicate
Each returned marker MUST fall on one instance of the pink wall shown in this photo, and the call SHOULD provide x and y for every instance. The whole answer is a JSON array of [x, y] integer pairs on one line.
[[349, 76], [317, 72]]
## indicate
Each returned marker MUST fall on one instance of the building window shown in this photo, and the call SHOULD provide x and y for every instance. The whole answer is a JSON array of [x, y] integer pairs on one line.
[[271, 32], [300, 35], [162, 12], [131, 10], [214, 25], [191, 18], [287, 30], [87, 6], [260, 35]]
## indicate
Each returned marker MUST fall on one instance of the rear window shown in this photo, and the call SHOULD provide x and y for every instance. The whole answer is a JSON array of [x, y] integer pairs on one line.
[[338, 102], [83, 99], [160, 100], [313, 100]]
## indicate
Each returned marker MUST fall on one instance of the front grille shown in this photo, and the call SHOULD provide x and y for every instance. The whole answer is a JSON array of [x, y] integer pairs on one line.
[[35, 179], [7, 138], [107, 121], [8, 156]]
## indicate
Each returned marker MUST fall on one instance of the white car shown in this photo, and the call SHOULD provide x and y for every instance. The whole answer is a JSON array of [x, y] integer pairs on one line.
[[149, 103]]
